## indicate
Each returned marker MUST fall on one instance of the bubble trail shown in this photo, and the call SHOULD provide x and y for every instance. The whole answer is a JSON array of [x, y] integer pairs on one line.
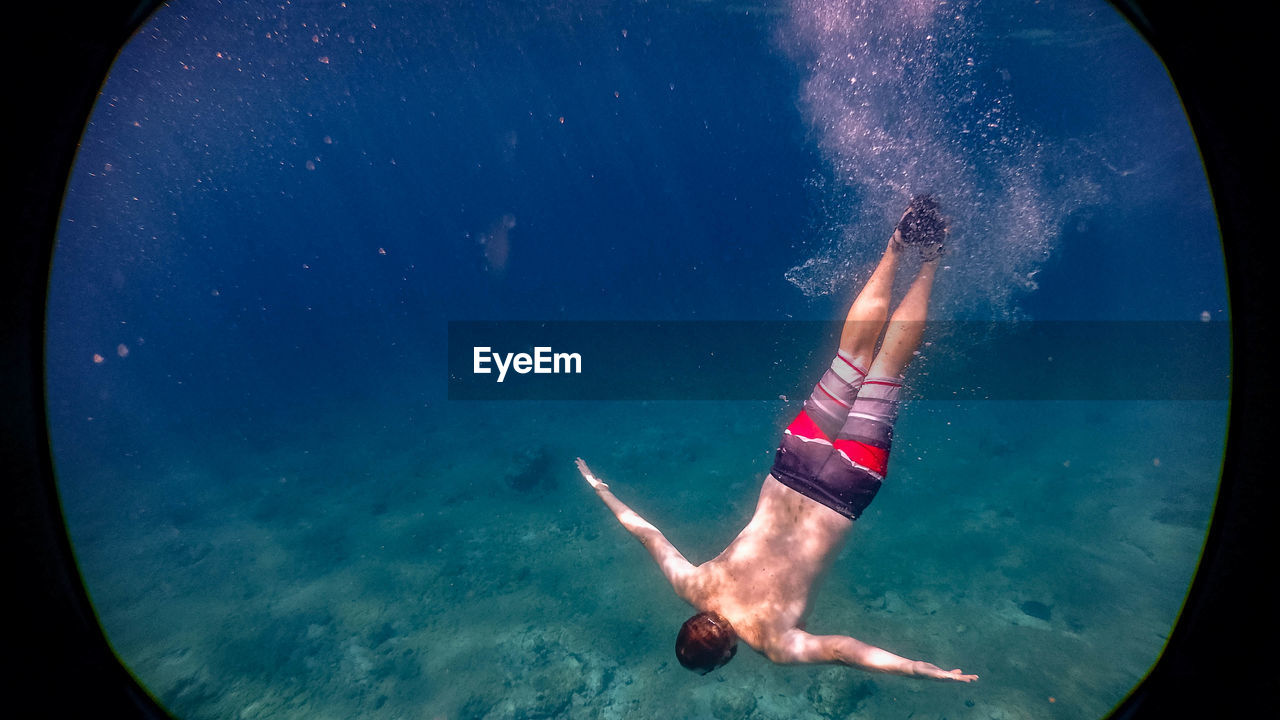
[[900, 101]]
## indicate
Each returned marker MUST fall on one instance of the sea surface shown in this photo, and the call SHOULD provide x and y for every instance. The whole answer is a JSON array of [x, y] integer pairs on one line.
[[288, 221]]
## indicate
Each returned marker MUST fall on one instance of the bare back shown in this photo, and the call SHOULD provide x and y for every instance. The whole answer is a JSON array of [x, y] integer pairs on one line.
[[763, 581]]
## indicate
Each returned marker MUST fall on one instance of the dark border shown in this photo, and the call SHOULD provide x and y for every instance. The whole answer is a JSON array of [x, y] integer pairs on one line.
[[59, 661], [1213, 665], [59, 664]]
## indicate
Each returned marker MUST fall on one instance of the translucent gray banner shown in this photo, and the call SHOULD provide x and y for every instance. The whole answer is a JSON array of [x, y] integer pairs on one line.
[[637, 361]]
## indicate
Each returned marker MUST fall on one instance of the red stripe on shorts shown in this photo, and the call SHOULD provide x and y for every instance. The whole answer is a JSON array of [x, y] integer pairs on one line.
[[833, 397], [848, 362], [804, 426], [872, 458]]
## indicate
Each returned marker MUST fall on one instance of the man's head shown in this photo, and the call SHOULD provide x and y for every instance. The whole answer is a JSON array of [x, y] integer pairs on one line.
[[706, 642]]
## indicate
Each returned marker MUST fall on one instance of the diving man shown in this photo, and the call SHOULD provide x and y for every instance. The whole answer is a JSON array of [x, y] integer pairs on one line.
[[829, 465]]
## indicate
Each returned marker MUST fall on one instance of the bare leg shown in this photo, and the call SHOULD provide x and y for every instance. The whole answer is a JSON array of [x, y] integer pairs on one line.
[[869, 311], [902, 338]]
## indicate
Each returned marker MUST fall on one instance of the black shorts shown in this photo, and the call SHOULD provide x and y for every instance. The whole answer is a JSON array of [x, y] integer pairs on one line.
[[836, 451]]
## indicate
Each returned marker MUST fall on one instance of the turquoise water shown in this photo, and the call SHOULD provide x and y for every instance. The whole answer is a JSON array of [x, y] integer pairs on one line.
[[281, 512]]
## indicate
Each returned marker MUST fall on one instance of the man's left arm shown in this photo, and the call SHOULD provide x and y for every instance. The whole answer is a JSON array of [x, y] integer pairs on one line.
[[798, 646]]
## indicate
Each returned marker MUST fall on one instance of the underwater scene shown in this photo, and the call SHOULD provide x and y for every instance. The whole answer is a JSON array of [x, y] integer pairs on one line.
[[303, 240]]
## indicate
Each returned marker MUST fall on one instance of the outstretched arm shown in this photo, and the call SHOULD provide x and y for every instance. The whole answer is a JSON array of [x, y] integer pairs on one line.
[[801, 647], [675, 567]]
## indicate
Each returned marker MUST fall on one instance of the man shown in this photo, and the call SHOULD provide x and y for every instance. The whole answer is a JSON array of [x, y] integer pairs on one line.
[[828, 467]]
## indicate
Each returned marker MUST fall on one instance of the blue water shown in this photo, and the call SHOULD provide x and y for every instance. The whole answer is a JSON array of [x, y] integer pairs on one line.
[[276, 211]]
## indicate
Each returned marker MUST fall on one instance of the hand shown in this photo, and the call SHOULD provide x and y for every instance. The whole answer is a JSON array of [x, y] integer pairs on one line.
[[933, 672], [592, 480]]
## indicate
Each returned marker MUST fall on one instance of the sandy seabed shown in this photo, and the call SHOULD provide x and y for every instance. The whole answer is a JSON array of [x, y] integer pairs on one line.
[[446, 561]]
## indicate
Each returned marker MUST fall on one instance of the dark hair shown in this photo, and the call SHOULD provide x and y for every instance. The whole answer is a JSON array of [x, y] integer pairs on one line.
[[706, 642]]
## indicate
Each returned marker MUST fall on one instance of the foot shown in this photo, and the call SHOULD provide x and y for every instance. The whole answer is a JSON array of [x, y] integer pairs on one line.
[[923, 227]]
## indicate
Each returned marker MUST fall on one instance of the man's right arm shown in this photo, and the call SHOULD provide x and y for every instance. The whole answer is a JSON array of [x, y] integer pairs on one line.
[[678, 571]]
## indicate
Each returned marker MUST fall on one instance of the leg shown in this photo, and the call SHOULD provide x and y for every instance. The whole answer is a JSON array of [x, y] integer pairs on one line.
[[924, 228], [860, 458], [803, 459], [870, 309], [902, 339], [846, 472], [829, 403], [863, 442]]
